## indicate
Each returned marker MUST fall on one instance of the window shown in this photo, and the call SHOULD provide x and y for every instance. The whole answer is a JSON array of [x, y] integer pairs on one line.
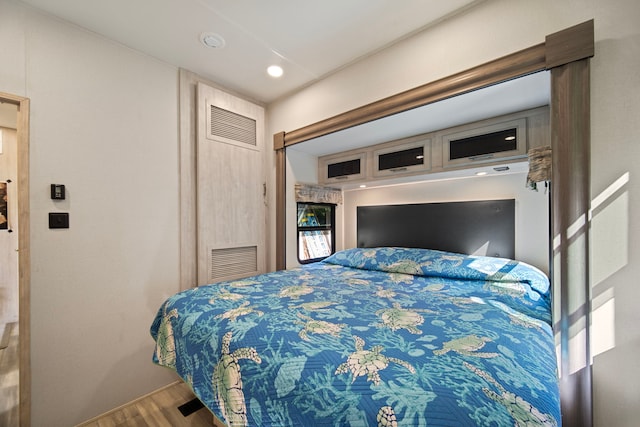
[[316, 234]]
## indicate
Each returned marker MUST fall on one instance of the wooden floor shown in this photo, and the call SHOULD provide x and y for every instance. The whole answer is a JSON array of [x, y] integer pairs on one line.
[[158, 409], [9, 377]]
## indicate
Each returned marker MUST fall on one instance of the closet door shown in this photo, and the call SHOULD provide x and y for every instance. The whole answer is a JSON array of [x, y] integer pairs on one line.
[[230, 187]]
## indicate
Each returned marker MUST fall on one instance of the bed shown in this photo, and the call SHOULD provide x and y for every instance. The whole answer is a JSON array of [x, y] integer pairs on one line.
[[382, 336]]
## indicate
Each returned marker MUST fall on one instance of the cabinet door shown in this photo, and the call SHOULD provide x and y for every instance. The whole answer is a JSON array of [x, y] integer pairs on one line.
[[335, 169], [400, 159], [230, 187], [505, 140]]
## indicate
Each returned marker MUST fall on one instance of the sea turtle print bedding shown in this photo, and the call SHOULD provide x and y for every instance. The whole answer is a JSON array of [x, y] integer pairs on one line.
[[370, 337]]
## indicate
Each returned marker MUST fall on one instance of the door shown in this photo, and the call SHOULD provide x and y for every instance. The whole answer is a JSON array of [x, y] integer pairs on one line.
[[230, 183]]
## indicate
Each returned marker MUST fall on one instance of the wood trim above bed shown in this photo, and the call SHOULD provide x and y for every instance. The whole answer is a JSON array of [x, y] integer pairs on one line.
[[524, 62], [571, 44]]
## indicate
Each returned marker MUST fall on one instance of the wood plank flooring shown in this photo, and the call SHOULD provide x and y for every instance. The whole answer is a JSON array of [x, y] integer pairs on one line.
[[158, 409], [9, 377]]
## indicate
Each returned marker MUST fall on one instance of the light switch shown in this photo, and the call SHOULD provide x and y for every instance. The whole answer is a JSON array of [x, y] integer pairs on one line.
[[57, 191], [58, 220]]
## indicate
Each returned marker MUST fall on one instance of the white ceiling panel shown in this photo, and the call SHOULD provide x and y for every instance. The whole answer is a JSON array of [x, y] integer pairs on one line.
[[308, 38]]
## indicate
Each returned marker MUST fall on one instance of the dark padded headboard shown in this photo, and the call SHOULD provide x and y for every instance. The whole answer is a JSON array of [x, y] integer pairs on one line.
[[462, 227]]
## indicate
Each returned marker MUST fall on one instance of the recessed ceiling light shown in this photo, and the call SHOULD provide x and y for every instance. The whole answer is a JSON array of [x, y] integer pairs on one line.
[[363, 186], [481, 173], [275, 71], [212, 40]]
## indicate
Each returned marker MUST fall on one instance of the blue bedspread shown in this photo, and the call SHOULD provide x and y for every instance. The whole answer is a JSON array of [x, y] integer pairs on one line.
[[370, 337]]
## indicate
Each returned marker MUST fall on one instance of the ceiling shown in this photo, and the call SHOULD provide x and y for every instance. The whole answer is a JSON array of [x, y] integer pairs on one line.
[[308, 39]]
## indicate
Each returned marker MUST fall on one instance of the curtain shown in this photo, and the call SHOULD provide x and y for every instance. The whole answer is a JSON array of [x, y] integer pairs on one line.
[[308, 193]]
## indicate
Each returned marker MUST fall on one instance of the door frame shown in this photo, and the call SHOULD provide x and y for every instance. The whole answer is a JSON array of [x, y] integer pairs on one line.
[[24, 257]]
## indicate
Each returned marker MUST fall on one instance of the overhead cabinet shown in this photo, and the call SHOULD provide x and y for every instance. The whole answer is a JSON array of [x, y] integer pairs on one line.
[[487, 142], [343, 167], [401, 157], [500, 141]]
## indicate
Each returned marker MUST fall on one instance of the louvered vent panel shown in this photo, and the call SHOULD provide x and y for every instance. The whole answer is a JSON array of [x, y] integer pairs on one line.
[[232, 126], [233, 262]]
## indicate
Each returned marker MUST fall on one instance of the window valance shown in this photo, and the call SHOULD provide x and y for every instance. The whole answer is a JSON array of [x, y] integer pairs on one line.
[[539, 166], [318, 194]]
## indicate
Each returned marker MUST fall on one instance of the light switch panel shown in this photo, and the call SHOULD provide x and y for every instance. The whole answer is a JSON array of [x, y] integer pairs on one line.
[[57, 192], [58, 220]]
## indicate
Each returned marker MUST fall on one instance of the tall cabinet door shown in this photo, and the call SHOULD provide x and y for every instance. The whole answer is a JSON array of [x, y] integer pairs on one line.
[[231, 207]]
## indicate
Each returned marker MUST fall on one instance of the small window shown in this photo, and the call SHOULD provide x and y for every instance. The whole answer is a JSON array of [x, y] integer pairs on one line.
[[316, 232]]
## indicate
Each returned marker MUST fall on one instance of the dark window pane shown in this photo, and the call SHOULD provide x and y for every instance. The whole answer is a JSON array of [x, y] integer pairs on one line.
[[350, 167], [398, 159], [495, 142]]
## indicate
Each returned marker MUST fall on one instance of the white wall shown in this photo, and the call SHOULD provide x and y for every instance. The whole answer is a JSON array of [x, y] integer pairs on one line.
[[493, 29], [104, 123], [532, 225], [301, 168]]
